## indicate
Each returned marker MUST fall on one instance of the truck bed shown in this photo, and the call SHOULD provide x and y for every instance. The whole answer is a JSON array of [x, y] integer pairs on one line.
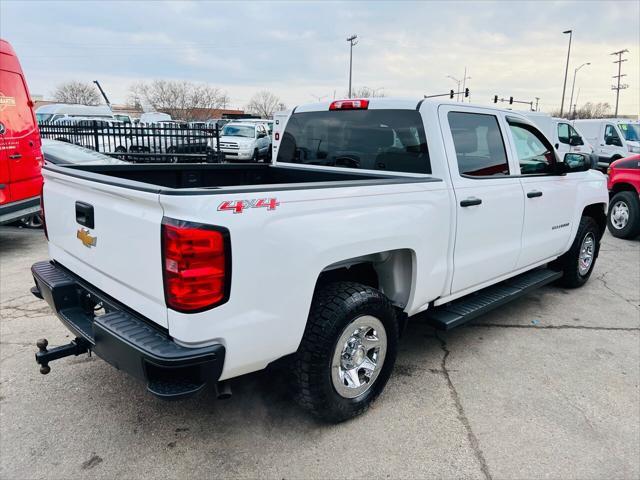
[[207, 178]]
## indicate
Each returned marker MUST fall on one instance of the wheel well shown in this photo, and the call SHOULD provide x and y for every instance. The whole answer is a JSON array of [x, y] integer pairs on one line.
[[390, 271], [621, 187], [597, 212]]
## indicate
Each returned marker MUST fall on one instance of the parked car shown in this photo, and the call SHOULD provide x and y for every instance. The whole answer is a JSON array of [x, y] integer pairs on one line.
[[624, 191], [374, 211], [20, 155], [611, 138], [64, 153], [242, 141], [52, 112], [564, 136]]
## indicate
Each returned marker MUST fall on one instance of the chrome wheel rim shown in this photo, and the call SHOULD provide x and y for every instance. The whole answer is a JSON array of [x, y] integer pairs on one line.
[[587, 250], [620, 215], [358, 356]]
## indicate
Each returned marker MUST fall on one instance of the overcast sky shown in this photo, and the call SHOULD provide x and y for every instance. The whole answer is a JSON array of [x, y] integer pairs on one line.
[[298, 49]]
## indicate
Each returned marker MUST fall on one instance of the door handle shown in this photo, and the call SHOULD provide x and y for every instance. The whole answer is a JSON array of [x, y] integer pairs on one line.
[[468, 202], [534, 194], [15, 156]]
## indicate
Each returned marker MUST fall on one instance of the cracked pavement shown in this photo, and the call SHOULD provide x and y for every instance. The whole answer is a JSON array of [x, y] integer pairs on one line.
[[545, 387]]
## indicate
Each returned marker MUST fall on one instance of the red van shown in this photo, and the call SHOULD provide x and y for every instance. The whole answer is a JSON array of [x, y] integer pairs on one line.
[[20, 154]]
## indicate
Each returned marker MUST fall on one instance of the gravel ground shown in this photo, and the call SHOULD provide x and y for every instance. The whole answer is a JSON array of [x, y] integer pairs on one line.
[[546, 387]]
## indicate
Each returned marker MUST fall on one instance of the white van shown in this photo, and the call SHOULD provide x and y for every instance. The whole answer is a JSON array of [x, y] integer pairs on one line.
[[565, 137], [54, 111], [279, 121], [612, 138]]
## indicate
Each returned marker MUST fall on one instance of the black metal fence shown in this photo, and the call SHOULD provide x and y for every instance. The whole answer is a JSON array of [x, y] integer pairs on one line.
[[157, 142]]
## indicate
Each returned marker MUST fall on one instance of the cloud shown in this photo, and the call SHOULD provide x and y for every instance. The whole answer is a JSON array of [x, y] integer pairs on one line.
[[299, 49]]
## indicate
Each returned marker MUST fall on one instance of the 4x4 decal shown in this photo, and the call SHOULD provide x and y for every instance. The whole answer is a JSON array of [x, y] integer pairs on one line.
[[239, 206]]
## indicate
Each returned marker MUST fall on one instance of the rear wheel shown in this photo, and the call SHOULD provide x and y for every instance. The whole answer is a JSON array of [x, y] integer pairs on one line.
[[577, 264], [347, 352], [623, 218]]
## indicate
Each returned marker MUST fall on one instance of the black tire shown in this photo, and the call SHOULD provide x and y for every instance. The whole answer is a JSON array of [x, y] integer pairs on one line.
[[630, 201], [335, 307], [569, 264]]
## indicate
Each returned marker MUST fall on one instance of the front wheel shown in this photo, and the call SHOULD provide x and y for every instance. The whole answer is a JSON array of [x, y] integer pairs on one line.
[[623, 218], [577, 264], [347, 351]]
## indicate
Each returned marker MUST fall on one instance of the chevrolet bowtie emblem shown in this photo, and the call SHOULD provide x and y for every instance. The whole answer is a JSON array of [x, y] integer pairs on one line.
[[86, 239]]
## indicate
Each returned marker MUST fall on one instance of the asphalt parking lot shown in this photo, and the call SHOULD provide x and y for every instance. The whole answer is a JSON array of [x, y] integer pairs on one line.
[[546, 387]]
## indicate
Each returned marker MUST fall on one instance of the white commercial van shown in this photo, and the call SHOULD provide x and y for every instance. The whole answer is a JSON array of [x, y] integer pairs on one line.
[[55, 111], [612, 138]]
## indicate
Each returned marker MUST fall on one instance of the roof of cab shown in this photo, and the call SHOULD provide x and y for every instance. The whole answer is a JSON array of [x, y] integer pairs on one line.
[[398, 103]]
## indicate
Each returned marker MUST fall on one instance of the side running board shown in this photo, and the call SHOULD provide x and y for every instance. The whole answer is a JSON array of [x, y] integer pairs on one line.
[[460, 311]]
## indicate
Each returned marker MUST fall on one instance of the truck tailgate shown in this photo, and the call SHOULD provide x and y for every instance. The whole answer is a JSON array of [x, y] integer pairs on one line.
[[120, 251]]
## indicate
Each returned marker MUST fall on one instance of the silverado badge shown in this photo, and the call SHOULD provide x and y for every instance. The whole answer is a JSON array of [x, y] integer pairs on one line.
[[86, 239]]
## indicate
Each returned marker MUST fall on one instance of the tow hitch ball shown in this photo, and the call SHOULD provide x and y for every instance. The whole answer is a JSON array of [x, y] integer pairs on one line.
[[44, 356]]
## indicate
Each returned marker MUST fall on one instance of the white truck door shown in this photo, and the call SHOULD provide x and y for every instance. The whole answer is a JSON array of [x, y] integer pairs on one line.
[[562, 138], [489, 201], [611, 143], [549, 198]]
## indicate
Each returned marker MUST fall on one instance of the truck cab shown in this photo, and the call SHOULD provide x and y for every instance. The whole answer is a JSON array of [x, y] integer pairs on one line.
[[612, 138]]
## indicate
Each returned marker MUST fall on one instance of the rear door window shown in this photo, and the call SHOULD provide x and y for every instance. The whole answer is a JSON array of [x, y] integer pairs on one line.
[[479, 144], [389, 140], [15, 111]]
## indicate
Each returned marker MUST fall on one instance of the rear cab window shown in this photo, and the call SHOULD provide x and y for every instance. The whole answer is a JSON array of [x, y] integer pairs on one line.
[[379, 139]]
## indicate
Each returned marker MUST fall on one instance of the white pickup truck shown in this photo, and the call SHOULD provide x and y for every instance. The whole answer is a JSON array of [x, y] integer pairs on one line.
[[374, 211]]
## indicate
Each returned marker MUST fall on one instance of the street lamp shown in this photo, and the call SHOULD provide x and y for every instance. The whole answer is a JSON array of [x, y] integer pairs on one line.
[[566, 70], [574, 86]]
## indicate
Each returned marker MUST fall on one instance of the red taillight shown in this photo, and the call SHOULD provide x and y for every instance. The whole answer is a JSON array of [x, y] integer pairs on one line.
[[349, 105], [44, 220], [196, 265]]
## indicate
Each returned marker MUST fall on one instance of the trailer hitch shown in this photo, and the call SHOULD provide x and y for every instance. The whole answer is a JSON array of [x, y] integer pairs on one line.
[[44, 356]]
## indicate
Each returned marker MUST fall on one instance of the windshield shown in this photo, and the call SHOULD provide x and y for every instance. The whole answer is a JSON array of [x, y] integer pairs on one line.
[[392, 140], [43, 117], [238, 131], [631, 131]]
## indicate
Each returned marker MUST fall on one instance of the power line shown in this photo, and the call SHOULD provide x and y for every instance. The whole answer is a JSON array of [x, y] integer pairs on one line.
[[619, 86]]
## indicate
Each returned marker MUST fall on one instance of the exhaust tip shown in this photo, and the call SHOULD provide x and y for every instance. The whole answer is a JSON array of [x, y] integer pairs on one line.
[[223, 390]]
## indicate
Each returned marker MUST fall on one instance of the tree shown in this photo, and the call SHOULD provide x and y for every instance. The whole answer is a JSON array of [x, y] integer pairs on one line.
[[180, 99], [366, 92], [264, 104], [77, 92], [588, 110]]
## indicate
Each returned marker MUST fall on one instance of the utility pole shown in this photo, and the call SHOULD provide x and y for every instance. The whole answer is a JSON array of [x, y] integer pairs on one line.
[[352, 42], [464, 82], [566, 70], [619, 87]]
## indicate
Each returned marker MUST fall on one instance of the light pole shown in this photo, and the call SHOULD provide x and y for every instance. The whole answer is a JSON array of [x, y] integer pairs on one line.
[[464, 82], [566, 70], [352, 42], [575, 72]]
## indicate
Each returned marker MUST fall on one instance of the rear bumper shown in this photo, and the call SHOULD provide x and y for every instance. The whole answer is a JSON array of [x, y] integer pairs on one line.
[[124, 339], [10, 212]]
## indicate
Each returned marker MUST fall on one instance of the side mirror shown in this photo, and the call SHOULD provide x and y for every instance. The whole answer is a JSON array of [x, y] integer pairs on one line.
[[576, 162], [576, 140], [262, 135]]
